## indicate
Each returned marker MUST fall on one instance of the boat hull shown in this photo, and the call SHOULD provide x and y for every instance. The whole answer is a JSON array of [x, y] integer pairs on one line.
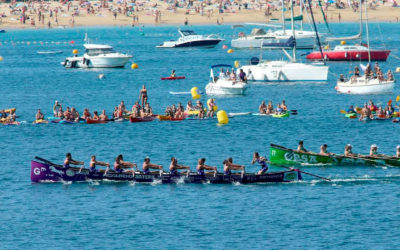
[[141, 119], [207, 43], [96, 62], [41, 172], [361, 86], [376, 55]]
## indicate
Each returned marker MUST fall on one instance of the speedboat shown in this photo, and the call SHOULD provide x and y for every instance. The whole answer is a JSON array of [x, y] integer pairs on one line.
[[224, 85], [97, 56], [350, 53], [190, 39], [364, 86]]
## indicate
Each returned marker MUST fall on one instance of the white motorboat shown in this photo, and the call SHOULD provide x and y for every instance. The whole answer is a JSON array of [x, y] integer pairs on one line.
[[224, 84], [97, 56], [190, 39], [364, 86]]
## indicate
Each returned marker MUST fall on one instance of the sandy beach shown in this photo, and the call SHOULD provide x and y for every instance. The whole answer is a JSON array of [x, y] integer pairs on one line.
[[122, 13]]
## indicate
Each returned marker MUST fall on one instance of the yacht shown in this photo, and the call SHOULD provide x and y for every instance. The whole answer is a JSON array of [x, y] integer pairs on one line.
[[97, 56], [190, 39], [224, 84]]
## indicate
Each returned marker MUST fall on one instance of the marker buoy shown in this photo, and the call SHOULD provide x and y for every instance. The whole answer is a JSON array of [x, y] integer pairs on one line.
[[398, 69], [343, 42], [224, 47], [134, 66], [222, 117], [1, 58], [237, 64], [230, 51], [75, 51]]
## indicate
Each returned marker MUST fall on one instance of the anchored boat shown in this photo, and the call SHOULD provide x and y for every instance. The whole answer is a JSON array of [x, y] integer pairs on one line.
[[48, 172], [190, 39]]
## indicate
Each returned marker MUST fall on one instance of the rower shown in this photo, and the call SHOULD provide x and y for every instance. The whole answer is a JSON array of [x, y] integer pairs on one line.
[[300, 147], [147, 110], [94, 162], [262, 161], [201, 167], [173, 73], [174, 166], [147, 165], [373, 150], [120, 164], [56, 107], [68, 160], [229, 166], [398, 151], [39, 115], [323, 150], [103, 116], [348, 150], [262, 109]]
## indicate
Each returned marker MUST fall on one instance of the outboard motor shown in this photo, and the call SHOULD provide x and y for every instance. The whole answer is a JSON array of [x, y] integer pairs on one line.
[[254, 60]]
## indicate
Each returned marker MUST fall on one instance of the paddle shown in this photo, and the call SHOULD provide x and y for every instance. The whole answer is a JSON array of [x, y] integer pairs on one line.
[[343, 112], [301, 171], [46, 161]]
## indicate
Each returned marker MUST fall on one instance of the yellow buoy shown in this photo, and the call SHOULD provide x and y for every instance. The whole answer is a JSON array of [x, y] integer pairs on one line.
[[134, 66], [343, 42], [215, 108], [222, 117], [237, 64], [1, 58], [326, 46], [230, 51], [195, 94], [397, 69], [75, 51]]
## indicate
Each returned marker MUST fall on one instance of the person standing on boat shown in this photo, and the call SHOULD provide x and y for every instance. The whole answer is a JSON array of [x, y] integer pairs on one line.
[[94, 162], [120, 164], [68, 160], [200, 107], [56, 107], [300, 147], [229, 166], [348, 150], [39, 115], [260, 160], [201, 167], [323, 150], [143, 95], [174, 166], [211, 105], [147, 165], [189, 106], [262, 109], [242, 76]]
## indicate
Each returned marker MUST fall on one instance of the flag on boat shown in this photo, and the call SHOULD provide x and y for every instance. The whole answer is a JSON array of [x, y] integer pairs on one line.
[[363, 67]]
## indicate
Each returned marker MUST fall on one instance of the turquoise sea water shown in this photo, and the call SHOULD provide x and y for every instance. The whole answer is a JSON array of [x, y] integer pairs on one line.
[[358, 209]]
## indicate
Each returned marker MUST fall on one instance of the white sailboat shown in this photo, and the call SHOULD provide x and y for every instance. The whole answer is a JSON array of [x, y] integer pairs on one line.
[[271, 71], [367, 84]]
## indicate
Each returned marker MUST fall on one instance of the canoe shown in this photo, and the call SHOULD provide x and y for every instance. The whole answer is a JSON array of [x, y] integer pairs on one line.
[[45, 171], [169, 118], [141, 119], [283, 156], [287, 114], [40, 122], [91, 121], [173, 78]]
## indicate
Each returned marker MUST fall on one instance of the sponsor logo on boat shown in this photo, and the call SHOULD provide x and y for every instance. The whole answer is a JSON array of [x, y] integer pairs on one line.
[[290, 156], [55, 170], [290, 176], [119, 176], [70, 173], [144, 177], [37, 171]]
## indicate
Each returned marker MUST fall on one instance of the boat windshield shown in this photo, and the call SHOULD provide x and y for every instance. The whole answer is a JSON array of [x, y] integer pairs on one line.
[[96, 52], [188, 32]]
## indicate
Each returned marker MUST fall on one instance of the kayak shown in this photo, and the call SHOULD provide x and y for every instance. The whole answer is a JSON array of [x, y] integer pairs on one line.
[[283, 156], [91, 121], [173, 78], [169, 118], [40, 122], [141, 119], [12, 123], [46, 171], [281, 115], [351, 115]]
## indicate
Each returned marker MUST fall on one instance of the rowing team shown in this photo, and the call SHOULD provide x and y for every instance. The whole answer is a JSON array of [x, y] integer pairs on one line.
[[323, 150], [121, 166], [281, 108]]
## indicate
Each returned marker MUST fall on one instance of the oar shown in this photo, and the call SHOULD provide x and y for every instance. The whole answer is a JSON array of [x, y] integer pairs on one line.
[[301, 171], [47, 161], [343, 112]]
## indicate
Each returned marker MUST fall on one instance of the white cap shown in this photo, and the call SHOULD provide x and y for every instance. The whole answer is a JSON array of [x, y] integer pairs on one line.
[[398, 146], [374, 146], [349, 145]]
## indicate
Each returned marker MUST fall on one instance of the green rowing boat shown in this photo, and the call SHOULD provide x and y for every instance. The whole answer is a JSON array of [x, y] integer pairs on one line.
[[283, 156]]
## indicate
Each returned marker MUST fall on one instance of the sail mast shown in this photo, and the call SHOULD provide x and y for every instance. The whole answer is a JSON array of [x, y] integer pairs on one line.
[[283, 15], [293, 33], [301, 14], [361, 24], [366, 30]]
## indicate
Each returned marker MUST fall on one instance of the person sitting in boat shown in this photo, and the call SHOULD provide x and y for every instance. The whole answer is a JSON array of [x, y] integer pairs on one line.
[[377, 68], [179, 113], [270, 108], [56, 107], [189, 106], [103, 116], [366, 113], [86, 114], [60, 113], [168, 111], [174, 166], [379, 75], [351, 110], [147, 165], [372, 106], [136, 109], [143, 95], [117, 114], [233, 76], [262, 109], [122, 107], [390, 75], [373, 150], [348, 151], [201, 166], [389, 111], [229, 166], [120, 164], [147, 110], [200, 107], [74, 114], [173, 73], [368, 72], [279, 109], [3, 114], [94, 162], [227, 73], [284, 106], [95, 116], [300, 147], [211, 105], [12, 117], [356, 71], [381, 113], [341, 78], [262, 161], [242, 76], [323, 150], [222, 74], [68, 160], [397, 151], [39, 115]]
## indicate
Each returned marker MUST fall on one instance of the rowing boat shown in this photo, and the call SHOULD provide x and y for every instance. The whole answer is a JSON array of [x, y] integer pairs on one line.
[[49, 172], [173, 78], [283, 115], [91, 121], [169, 118], [284, 156], [142, 119]]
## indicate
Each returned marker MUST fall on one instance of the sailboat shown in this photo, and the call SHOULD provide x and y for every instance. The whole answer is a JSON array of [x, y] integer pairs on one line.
[[344, 52], [269, 71], [367, 84]]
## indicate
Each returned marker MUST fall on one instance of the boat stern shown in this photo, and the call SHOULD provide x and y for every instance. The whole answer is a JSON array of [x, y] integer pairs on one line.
[[41, 172]]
